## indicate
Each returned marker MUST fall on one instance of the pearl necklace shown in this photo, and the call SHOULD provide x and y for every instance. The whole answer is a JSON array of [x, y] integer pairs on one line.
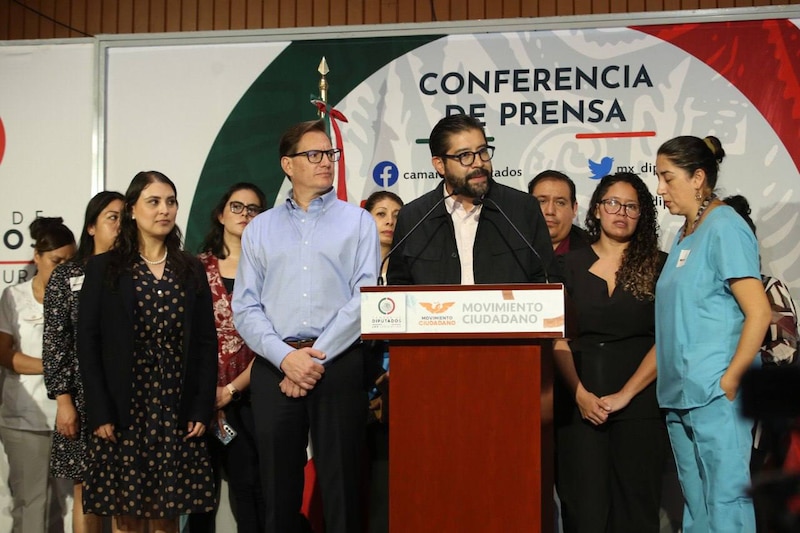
[[706, 202], [146, 260]]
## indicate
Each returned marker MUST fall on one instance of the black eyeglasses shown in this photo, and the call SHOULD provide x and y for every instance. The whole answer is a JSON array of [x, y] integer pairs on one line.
[[238, 207], [613, 206], [315, 156], [467, 158]]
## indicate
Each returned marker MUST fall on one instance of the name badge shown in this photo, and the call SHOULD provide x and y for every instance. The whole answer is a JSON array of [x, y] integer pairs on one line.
[[76, 283], [682, 257]]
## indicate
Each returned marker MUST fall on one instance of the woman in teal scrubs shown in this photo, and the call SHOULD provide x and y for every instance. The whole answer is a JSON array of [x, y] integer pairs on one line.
[[711, 317]]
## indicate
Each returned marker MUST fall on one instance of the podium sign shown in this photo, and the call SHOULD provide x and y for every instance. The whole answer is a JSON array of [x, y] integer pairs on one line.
[[524, 311], [469, 447]]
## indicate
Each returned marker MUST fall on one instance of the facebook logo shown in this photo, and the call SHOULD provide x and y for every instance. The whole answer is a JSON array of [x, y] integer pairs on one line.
[[385, 174]]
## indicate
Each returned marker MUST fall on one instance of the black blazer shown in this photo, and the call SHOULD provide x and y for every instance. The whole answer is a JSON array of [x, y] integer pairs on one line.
[[430, 256], [105, 347]]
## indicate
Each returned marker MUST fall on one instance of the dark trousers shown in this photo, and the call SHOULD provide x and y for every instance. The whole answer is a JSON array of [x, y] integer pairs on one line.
[[238, 460], [335, 413], [378, 477], [609, 477]]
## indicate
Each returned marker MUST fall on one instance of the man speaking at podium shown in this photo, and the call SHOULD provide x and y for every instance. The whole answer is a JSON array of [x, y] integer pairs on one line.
[[469, 399], [470, 229]]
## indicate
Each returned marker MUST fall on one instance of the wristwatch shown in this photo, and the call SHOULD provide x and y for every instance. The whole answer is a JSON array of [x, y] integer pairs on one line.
[[234, 392]]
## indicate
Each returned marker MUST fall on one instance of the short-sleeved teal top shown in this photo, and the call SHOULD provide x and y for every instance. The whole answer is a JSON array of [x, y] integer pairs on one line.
[[698, 322]]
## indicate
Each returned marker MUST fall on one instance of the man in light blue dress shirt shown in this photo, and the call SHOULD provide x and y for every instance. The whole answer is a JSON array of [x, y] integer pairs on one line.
[[296, 303]]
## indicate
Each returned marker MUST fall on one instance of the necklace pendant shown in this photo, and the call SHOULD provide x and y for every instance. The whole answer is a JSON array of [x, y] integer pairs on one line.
[[706, 202]]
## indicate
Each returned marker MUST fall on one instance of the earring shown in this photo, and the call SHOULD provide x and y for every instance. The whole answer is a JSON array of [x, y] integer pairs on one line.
[[697, 196], [133, 217]]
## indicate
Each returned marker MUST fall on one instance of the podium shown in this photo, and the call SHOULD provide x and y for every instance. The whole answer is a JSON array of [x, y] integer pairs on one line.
[[467, 448]]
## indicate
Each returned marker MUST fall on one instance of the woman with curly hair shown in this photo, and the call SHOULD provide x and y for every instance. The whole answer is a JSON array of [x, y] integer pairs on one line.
[[611, 441]]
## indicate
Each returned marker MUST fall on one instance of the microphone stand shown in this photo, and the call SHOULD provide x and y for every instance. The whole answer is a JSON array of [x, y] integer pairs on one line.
[[412, 230], [482, 199]]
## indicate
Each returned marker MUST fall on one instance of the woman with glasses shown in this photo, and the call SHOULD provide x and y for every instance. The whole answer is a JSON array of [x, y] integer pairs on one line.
[[712, 315], [221, 250], [611, 442]]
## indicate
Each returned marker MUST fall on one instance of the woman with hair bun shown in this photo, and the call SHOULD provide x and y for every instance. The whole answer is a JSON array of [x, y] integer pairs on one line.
[[27, 415], [711, 317]]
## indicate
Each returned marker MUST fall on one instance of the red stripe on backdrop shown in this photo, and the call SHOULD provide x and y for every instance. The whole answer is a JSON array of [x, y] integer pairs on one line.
[[761, 58], [615, 135]]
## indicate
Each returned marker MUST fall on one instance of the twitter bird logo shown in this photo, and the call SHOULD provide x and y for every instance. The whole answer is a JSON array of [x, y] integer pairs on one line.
[[601, 169]]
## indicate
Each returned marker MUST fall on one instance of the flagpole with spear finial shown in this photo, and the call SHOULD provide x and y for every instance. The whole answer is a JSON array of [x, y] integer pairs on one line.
[[336, 116], [323, 84]]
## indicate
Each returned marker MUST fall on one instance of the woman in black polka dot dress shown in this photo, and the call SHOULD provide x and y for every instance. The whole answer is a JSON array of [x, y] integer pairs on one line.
[[147, 351]]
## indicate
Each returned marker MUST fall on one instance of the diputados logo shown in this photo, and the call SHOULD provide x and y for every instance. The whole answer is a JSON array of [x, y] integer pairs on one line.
[[388, 319], [386, 306]]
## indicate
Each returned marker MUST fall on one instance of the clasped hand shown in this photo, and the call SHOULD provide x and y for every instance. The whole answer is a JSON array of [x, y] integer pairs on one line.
[[106, 431], [592, 408], [597, 410], [301, 371]]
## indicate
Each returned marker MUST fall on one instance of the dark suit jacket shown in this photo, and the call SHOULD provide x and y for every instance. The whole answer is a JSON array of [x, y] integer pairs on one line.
[[430, 256], [105, 347], [578, 238]]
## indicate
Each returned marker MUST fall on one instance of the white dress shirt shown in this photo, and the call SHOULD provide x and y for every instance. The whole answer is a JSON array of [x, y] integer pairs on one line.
[[465, 223]]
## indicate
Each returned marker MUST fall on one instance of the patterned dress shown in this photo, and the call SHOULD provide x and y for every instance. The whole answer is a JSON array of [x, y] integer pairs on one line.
[[152, 472], [60, 360], [233, 354]]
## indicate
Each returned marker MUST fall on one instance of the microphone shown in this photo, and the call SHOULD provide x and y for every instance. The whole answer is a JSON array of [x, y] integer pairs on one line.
[[482, 199], [455, 192]]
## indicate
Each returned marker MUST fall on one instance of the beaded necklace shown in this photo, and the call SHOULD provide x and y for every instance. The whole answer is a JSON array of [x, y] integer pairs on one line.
[[706, 202], [146, 260]]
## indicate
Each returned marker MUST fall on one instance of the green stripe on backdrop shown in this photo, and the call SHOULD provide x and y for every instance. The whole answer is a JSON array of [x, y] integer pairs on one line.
[[246, 148]]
